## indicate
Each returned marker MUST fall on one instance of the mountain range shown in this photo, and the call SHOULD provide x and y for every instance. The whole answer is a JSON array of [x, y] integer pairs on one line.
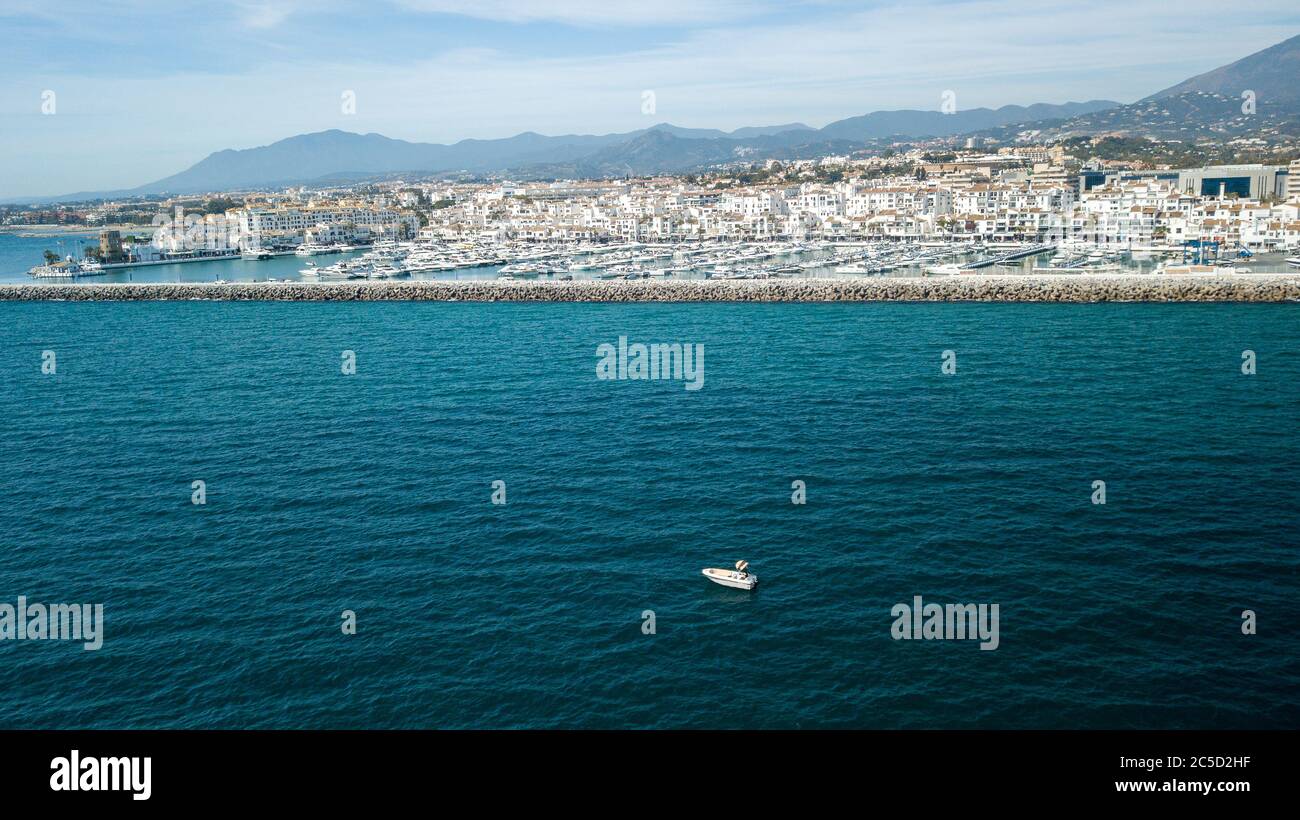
[[1257, 95], [1271, 74], [663, 148], [1209, 104]]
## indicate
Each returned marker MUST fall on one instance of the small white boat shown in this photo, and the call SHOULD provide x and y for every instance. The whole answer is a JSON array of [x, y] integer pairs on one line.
[[1295, 260], [1184, 269], [739, 578], [948, 269]]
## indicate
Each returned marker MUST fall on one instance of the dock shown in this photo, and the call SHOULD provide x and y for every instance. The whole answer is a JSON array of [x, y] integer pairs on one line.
[[1008, 257]]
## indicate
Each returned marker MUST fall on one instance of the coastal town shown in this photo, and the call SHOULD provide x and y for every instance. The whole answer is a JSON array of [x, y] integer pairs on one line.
[[918, 212]]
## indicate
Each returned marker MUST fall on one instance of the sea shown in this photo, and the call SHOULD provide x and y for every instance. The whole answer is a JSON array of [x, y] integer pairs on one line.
[[348, 567]]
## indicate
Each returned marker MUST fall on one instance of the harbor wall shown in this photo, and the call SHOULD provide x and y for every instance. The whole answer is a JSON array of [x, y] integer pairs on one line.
[[1133, 288]]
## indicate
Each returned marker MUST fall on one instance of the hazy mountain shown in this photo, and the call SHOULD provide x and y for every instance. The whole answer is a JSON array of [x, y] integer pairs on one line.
[[1273, 75], [937, 124], [1193, 114], [345, 155], [341, 154], [1207, 106], [310, 156], [656, 151], [1187, 116], [768, 130], [663, 151]]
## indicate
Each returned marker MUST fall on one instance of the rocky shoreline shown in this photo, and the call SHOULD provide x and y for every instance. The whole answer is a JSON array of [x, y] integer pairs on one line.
[[1100, 288]]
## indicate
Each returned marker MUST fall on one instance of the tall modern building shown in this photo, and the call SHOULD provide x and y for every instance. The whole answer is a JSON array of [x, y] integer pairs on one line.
[[1093, 178], [1244, 181], [1293, 181]]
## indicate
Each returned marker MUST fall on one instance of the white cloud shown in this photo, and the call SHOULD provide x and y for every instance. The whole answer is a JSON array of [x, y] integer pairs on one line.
[[593, 12], [264, 15]]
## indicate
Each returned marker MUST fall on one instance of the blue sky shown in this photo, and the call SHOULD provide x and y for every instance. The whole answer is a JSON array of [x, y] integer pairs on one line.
[[145, 89]]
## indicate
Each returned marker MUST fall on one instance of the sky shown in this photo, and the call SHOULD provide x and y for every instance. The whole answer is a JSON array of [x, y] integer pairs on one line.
[[106, 94]]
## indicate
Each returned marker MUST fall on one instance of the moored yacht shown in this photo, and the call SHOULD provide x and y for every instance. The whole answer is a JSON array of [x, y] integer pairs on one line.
[[947, 269], [1187, 268], [67, 269]]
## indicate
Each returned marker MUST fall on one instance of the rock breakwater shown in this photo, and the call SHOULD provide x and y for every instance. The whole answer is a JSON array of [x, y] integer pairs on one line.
[[1133, 288]]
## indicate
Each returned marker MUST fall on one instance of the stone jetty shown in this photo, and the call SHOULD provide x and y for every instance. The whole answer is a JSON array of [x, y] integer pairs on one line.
[[1280, 287]]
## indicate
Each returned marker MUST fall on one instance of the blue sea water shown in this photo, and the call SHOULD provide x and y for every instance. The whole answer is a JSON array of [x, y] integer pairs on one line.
[[371, 492]]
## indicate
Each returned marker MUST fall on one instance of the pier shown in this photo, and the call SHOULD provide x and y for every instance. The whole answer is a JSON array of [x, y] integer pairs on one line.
[[1008, 257]]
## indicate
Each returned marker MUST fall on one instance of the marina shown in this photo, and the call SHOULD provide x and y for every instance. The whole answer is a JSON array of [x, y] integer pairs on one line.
[[624, 261]]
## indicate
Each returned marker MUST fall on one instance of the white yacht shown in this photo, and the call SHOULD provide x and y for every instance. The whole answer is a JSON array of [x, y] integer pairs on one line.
[[1187, 268], [67, 269], [340, 269], [740, 577], [854, 267], [314, 249], [948, 269]]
